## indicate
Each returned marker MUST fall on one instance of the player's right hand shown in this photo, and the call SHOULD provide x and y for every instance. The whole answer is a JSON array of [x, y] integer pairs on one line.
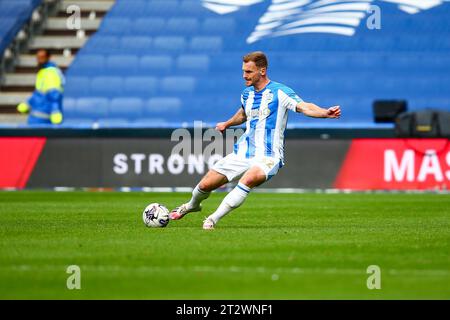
[[334, 112], [221, 126]]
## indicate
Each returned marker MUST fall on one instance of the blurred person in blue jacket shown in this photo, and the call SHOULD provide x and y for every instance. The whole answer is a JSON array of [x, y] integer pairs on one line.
[[45, 105]]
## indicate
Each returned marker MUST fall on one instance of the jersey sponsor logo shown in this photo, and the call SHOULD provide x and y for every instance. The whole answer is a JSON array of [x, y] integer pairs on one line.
[[260, 113], [289, 17]]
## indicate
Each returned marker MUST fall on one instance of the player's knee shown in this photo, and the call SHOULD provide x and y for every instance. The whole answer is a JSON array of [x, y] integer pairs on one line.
[[247, 182], [205, 186]]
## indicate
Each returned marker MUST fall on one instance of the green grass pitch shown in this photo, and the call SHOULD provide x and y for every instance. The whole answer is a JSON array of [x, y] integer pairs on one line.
[[276, 246]]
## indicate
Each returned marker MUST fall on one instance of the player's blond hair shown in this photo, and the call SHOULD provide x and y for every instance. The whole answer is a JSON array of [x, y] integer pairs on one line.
[[258, 57]]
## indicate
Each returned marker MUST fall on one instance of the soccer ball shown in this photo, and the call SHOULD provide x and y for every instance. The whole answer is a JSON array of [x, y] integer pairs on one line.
[[156, 215]]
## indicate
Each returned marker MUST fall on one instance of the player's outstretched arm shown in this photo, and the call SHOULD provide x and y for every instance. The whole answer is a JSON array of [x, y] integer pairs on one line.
[[312, 110], [237, 119]]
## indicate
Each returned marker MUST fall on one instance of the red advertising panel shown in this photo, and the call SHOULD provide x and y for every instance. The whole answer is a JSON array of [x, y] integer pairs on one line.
[[396, 164], [17, 159]]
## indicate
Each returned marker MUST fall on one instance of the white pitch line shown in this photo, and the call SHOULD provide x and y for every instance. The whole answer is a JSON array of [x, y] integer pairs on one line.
[[231, 269]]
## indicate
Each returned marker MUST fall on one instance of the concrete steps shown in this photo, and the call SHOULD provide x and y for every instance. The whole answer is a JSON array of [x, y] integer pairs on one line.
[[58, 27], [10, 100], [29, 60], [57, 42], [102, 6]]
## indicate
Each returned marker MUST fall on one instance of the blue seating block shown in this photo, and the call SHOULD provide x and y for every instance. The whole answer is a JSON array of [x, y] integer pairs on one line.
[[169, 44], [182, 26], [107, 86], [178, 85], [77, 86], [160, 64], [162, 105], [170, 62], [122, 65], [94, 107], [148, 26], [140, 86], [186, 63], [206, 44], [137, 45], [115, 26], [127, 108]]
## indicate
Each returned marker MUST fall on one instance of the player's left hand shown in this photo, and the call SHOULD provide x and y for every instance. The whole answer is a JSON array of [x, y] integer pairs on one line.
[[334, 112], [56, 117]]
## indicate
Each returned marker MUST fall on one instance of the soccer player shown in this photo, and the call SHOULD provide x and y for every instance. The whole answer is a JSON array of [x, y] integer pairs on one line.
[[258, 154]]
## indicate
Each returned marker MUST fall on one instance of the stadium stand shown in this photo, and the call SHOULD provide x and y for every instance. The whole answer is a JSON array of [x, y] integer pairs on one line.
[[178, 53], [187, 57], [42, 25]]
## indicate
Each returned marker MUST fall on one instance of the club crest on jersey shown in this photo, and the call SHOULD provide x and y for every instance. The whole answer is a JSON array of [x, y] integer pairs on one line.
[[268, 96], [268, 162]]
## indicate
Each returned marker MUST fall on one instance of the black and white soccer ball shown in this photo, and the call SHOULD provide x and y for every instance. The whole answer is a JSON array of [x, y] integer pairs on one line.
[[156, 215]]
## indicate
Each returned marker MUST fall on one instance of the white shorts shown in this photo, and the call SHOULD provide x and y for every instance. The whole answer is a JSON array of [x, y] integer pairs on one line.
[[234, 166]]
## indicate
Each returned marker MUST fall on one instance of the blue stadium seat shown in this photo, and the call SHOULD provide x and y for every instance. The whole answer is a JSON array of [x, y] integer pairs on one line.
[[107, 86], [218, 26], [136, 45], [127, 108], [69, 107], [162, 7], [100, 44], [182, 26], [93, 107], [123, 65], [193, 8], [130, 9], [140, 86], [77, 86], [148, 26], [89, 65], [115, 26], [222, 86], [178, 84], [169, 44], [162, 105], [193, 63], [151, 65], [206, 44]]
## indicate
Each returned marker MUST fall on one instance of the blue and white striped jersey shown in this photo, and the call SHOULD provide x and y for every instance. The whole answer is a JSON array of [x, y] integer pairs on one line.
[[267, 114]]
